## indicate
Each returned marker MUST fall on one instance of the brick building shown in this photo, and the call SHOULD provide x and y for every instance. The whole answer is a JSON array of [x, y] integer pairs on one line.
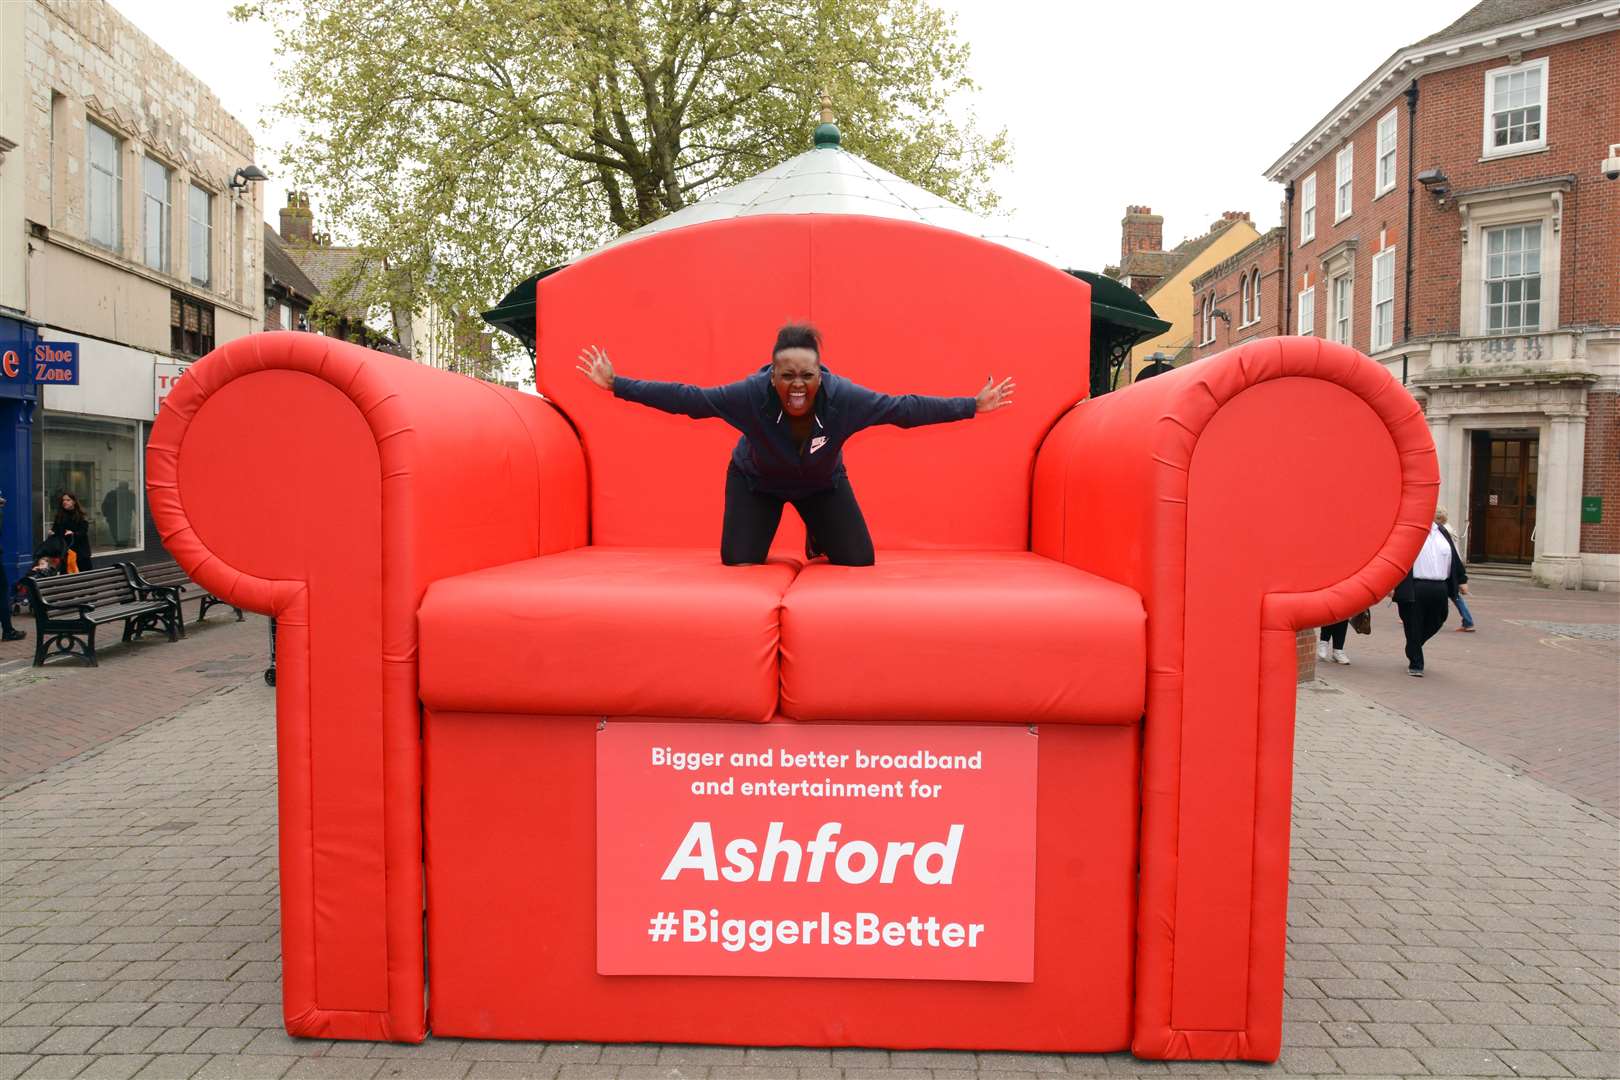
[[1450, 217], [1164, 277], [1240, 297]]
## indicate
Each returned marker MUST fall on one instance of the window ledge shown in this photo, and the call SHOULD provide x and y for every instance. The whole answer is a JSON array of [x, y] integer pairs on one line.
[[1380, 194], [1524, 151], [1346, 217]]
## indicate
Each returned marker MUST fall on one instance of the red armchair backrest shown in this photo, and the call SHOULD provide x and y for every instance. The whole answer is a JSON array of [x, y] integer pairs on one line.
[[902, 308]]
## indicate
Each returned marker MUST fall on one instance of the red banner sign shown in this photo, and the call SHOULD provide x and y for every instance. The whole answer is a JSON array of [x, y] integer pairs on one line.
[[833, 850]]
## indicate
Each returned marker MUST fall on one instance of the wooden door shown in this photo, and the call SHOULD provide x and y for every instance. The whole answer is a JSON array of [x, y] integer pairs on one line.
[[1510, 500]]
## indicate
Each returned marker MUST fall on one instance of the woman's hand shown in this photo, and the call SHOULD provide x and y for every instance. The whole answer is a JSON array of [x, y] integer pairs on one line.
[[595, 366], [994, 395]]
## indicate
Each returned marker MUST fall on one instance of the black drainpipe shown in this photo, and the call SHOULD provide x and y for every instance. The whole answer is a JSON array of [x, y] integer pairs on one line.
[[1286, 302], [1411, 204]]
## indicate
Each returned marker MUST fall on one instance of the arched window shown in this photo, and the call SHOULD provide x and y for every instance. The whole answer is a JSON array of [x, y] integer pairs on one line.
[[1254, 289], [1244, 279], [1209, 318]]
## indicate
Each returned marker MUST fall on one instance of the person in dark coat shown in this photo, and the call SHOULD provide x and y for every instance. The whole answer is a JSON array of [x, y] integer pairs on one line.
[[1424, 597], [73, 527], [794, 415]]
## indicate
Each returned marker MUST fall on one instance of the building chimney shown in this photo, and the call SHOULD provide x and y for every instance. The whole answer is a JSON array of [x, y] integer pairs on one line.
[[1229, 216], [1141, 230], [297, 222]]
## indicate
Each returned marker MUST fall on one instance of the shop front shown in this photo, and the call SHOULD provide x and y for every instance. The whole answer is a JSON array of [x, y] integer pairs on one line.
[[92, 442], [19, 401]]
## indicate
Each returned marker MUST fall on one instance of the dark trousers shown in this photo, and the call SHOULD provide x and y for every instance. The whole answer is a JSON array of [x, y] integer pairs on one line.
[[832, 517], [5, 599], [1423, 617], [1335, 632]]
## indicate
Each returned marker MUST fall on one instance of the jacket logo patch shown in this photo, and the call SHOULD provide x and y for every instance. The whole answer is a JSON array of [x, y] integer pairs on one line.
[[817, 443]]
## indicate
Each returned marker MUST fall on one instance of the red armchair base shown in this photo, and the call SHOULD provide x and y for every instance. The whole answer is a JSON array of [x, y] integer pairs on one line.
[[511, 886]]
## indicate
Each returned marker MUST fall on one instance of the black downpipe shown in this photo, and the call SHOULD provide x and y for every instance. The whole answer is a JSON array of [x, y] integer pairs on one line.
[[1285, 304], [1411, 205]]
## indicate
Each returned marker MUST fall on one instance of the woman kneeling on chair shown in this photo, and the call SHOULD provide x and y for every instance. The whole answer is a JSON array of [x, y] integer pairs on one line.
[[795, 416]]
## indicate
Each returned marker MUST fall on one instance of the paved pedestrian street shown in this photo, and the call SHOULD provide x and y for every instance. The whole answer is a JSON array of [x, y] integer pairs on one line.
[[1450, 915]]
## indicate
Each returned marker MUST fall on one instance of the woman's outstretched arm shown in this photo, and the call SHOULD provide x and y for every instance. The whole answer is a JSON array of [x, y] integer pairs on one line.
[[914, 410], [698, 402]]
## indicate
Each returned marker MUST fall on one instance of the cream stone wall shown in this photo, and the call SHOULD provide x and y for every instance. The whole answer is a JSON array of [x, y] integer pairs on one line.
[[13, 116], [82, 61]]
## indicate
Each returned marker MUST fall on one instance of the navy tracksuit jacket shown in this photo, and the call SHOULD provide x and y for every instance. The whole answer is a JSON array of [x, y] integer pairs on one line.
[[766, 454]]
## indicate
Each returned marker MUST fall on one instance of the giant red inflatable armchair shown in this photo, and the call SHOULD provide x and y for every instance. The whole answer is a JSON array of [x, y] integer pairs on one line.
[[638, 795]]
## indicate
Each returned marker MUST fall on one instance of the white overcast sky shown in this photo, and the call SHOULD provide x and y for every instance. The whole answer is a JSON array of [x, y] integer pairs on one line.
[[1176, 105]]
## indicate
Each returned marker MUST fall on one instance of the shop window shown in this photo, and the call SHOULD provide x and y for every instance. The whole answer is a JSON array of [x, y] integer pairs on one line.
[[106, 181], [98, 461], [191, 326]]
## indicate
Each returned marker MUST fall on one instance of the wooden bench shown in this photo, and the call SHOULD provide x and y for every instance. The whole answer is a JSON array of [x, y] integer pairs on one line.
[[169, 578], [69, 607]]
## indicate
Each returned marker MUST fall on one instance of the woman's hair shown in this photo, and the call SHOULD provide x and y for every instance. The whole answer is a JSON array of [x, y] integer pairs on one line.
[[798, 336], [1440, 514], [74, 515]]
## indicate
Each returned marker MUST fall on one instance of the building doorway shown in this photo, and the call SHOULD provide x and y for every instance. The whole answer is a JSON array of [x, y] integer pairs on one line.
[[1502, 499]]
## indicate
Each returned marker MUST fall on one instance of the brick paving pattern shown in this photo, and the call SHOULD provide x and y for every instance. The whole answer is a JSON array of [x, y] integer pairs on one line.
[[1449, 917], [1537, 686], [56, 712]]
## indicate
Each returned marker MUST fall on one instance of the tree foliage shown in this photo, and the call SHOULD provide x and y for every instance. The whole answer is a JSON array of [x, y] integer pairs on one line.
[[464, 144]]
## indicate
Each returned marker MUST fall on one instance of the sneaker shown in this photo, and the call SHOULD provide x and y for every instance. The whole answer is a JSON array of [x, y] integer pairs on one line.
[[1465, 629], [13, 635], [1415, 672], [1322, 650], [1339, 657]]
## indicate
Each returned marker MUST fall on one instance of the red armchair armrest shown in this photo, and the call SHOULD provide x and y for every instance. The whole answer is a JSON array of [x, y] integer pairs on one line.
[[328, 485], [1286, 483]]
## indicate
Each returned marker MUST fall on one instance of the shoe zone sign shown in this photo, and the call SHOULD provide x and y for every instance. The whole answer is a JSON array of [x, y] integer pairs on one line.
[[819, 850], [51, 363]]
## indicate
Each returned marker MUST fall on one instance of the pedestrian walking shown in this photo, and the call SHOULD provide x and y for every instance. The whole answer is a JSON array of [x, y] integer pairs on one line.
[[7, 631], [1423, 598], [1333, 635], [73, 527], [1467, 627]]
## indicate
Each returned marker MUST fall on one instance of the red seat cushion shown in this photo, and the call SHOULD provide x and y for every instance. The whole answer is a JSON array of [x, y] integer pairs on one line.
[[606, 631], [962, 636]]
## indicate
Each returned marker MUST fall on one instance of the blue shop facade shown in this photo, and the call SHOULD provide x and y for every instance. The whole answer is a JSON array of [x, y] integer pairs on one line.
[[19, 409], [87, 437]]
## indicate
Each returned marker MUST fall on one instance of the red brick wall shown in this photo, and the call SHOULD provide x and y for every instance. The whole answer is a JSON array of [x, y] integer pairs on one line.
[[1224, 281], [1582, 117], [1305, 648], [1368, 217], [1603, 471]]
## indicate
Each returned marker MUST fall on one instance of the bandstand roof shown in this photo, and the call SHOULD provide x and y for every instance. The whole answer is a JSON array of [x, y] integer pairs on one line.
[[830, 180]]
